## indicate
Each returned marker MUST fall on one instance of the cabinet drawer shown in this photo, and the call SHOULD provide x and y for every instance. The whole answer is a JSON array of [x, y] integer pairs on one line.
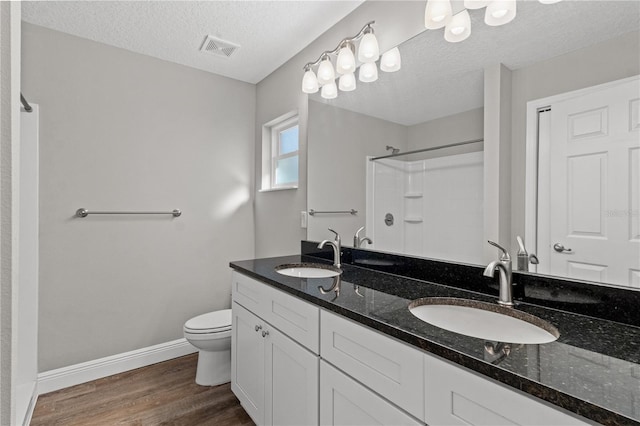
[[343, 401], [247, 292], [457, 396], [390, 368], [296, 318]]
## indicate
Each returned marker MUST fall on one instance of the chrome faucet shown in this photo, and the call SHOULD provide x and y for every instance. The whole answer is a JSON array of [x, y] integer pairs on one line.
[[357, 241], [337, 248], [503, 265]]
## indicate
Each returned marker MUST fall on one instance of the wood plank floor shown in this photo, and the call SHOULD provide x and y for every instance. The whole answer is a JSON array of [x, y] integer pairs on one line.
[[160, 394]]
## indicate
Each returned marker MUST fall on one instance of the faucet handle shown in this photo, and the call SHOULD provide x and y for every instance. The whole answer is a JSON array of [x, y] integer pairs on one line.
[[505, 255], [337, 235]]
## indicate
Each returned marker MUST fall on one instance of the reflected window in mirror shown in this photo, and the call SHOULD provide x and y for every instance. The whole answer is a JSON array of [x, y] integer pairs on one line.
[[280, 153]]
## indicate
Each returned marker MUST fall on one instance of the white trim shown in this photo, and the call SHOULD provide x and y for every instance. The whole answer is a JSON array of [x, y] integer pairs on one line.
[[32, 405], [531, 165], [72, 375], [279, 188]]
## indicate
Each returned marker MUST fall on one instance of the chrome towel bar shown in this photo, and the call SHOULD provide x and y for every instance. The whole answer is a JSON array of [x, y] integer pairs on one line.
[[84, 212], [314, 212]]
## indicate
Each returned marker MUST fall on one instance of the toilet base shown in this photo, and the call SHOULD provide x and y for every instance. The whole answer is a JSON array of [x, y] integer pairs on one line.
[[214, 368]]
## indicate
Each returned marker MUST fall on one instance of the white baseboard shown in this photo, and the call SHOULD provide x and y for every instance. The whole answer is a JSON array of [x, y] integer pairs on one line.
[[72, 375]]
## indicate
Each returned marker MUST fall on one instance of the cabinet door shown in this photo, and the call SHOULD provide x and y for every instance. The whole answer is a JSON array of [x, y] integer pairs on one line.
[[247, 362], [291, 376], [386, 366], [343, 401], [457, 396]]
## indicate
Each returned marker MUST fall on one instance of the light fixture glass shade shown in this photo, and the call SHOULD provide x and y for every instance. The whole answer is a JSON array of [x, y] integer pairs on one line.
[[549, 1], [476, 4], [368, 72], [368, 51], [329, 91], [347, 82], [326, 74], [459, 28], [391, 60], [500, 12], [437, 14], [346, 62], [309, 82]]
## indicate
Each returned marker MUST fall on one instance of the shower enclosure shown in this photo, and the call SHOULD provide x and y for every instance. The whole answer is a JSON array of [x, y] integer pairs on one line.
[[427, 204]]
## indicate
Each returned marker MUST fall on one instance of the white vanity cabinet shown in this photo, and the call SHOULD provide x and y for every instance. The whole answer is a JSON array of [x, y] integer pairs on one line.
[[294, 364], [274, 377]]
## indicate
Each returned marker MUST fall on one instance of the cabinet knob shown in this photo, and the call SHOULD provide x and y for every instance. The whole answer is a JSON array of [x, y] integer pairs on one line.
[[265, 333], [258, 327]]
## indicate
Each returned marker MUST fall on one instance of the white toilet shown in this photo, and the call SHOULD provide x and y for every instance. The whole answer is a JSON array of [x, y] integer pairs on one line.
[[211, 334]]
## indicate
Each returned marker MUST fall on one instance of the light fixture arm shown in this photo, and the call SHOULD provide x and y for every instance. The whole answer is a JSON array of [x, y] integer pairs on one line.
[[367, 28]]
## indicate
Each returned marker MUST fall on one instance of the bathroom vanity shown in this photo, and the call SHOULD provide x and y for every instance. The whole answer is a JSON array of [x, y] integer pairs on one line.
[[346, 350]]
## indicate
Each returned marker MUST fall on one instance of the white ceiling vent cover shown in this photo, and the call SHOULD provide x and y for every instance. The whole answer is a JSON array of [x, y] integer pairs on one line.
[[219, 47]]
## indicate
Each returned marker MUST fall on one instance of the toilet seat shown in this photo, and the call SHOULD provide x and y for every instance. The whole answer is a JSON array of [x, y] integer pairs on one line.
[[209, 323]]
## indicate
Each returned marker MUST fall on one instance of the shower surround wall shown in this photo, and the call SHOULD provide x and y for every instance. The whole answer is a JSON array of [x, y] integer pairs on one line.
[[123, 131], [436, 204]]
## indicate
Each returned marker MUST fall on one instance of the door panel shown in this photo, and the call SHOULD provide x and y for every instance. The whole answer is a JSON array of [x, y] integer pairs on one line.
[[291, 396], [247, 363], [590, 201]]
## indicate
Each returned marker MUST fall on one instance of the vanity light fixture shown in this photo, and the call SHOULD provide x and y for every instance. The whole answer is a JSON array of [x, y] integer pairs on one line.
[[345, 64], [500, 12], [391, 60], [347, 82], [439, 13], [368, 72], [326, 74], [459, 28], [329, 91]]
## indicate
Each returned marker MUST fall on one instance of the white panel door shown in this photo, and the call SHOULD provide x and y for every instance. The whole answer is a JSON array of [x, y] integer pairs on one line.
[[291, 392], [593, 186], [247, 362], [343, 401]]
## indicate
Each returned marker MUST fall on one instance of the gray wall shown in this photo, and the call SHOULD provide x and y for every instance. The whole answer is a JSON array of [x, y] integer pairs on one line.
[[464, 126], [339, 141], [611, 60], [123, 131], [277, 214]]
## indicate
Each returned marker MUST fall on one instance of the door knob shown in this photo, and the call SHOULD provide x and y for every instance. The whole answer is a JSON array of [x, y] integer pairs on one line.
[[560, 248]]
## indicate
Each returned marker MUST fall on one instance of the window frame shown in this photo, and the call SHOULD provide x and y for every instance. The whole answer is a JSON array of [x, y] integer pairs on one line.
[[271, 151], [275, 151]]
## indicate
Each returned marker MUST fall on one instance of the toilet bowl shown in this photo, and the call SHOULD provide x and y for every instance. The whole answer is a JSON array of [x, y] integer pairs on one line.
[[211, 334]]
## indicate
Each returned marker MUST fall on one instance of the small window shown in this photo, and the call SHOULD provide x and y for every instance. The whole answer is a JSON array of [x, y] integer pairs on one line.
[[280, 149]]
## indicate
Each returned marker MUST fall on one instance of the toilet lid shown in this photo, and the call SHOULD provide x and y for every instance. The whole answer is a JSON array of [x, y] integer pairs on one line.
[[212, 322]]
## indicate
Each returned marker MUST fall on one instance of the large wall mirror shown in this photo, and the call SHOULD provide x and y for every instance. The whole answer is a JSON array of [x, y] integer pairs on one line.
[[430, 203]]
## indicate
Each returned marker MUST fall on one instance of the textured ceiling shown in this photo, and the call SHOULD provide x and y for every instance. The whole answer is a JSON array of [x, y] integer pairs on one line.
[[269, 32], [440, 78]]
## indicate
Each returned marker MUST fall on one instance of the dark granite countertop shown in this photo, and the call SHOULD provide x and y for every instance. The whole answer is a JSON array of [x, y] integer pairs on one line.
[[593, 369]]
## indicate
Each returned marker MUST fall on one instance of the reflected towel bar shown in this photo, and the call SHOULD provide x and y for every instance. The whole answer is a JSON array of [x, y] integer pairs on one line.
[[84, 212], [314, 212]]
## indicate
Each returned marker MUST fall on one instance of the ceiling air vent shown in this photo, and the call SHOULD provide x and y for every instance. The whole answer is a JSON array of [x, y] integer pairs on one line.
[[219, 47]]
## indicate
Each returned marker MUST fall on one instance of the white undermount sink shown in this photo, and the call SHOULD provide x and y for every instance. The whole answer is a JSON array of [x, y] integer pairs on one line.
[[308, 270], [484, 320]]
